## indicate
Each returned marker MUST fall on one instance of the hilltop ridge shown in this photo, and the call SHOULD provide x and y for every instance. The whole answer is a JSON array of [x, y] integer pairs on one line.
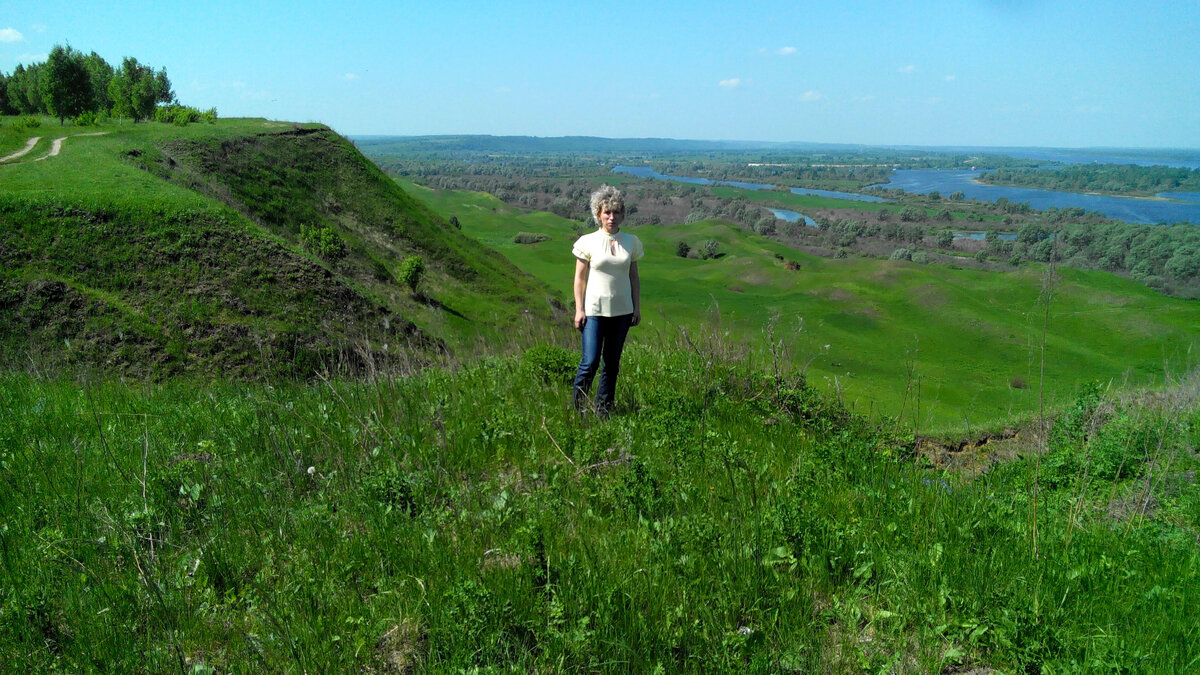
[[244, 247]]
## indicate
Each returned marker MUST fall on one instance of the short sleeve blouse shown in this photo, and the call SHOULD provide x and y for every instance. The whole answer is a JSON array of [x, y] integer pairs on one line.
[[609, 257]]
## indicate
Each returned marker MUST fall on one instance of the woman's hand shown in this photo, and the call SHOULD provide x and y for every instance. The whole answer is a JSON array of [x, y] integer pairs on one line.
[[637, 317], [580, 319]]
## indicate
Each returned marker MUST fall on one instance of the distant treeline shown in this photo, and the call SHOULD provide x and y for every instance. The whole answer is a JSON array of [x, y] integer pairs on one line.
[[1120, 179], [70, 85]]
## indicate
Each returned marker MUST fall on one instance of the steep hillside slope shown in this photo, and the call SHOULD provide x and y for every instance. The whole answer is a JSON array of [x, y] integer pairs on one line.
[[244, 248]]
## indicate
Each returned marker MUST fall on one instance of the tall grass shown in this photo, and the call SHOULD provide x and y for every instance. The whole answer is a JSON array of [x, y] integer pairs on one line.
[[727, 517]]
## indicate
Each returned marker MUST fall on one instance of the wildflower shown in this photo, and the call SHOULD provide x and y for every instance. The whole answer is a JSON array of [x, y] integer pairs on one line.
[[312, 470]]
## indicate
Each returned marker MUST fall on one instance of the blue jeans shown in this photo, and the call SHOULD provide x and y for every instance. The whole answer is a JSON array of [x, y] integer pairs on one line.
[[603, 340]]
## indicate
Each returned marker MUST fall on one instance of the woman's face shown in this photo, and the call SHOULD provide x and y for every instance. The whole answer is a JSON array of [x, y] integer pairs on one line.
[[610, 220]]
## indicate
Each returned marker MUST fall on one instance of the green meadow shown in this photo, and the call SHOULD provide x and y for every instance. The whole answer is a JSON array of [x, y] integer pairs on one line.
[[944, 348], [225, 449], [723, 520]]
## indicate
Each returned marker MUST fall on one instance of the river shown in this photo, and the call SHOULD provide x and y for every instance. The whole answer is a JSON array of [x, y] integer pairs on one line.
[[1128, 209], [1172, 208]]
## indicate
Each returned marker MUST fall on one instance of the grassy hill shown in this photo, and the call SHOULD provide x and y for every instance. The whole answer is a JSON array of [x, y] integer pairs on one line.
[[729, 517], [944, 348], [721, 521], [246, 247]]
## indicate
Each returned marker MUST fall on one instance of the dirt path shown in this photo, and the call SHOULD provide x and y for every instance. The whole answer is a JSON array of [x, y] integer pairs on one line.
[[56, 146], [21, 153]]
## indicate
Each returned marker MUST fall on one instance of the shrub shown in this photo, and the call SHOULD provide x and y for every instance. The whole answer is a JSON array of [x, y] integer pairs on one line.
[[920, 257], [530, 237], [27, 122], [791, 265], [87, 118], [765, 226], [182, 115], [709, 248], [682, 249], [1018, 382], [411, 271], [981, 255], [695, 217], [323, 241], [455, 223], [901, 254], [550, 363]]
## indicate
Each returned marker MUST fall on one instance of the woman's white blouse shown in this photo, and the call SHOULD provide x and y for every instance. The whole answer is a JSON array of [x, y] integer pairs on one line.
[[609, 257]]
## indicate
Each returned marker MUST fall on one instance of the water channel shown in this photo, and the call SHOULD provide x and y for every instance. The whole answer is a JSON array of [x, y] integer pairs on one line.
[[1171, 207]]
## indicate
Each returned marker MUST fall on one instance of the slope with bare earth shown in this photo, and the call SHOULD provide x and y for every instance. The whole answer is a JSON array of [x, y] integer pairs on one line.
[[153, 250]]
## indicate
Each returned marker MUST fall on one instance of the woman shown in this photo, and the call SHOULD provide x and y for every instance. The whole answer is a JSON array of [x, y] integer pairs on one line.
[[608, 297]]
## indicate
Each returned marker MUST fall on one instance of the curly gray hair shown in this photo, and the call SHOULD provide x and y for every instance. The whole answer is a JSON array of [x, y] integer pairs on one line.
[[607, 197]]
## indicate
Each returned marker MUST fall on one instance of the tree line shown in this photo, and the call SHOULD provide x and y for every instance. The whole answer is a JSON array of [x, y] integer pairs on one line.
[[71, 85], [1126, 179]]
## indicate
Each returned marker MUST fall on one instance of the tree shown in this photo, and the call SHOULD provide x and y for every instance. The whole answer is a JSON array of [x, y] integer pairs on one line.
[[100, 73], [4, 109], [945, 238], [682, 249], [136, 89], [24, 90], [65, 83]]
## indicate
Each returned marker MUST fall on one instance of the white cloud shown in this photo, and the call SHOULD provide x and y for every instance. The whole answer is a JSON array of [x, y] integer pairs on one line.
[[10, 35], [811, 96], [785, 51], [907, 69], [731, 82], [350, 76]]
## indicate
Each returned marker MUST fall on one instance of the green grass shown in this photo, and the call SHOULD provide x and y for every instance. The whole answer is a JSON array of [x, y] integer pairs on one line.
[[720, 521], [900, 335], [169, 249]]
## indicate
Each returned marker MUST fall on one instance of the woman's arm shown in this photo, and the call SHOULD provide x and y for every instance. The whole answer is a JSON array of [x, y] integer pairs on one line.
[[635, 286], [581, 278]]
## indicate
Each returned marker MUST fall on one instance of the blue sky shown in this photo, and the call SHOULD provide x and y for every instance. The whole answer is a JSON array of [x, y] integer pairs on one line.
[[971, 72]]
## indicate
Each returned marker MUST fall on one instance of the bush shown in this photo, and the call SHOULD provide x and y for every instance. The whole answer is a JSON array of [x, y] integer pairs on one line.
[[695, 217], [182, 115], [550, 363], [87, 118], [920, 257], [682, 249], [709, 249], [411, 271], [901, 254], [27, 122], [981, 256], [530, 237], [323, 241], [765, 226]]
